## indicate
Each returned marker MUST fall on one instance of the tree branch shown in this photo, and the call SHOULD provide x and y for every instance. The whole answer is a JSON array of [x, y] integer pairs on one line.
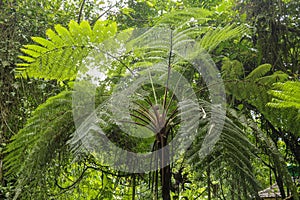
[[80, 11]]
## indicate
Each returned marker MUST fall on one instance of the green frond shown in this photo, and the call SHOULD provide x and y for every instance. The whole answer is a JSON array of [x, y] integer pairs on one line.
[[75, 31], [179, 17], [154, 43], [33, 54], [43, 42], [277, 76], [232, 69], [215, 36], [59, 56], [64, 34], [233, 151], [43, 136], [285, 95], [259, 71], [275, 156], [255, 91], [100, 33], [36, 48], [86, 29], [27, 59], [55, 38], [181, 34]]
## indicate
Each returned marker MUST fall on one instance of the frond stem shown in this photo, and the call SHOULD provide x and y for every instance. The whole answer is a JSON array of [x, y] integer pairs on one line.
[[169, 70]]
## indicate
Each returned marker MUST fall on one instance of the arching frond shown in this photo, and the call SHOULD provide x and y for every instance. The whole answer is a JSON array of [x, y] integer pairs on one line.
[[286, 96], [44, 135], [277, 159], [232, 152], [162, 39]]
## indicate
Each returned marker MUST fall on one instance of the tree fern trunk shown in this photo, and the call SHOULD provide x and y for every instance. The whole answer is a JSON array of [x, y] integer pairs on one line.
[[165, 172], [166, 185]]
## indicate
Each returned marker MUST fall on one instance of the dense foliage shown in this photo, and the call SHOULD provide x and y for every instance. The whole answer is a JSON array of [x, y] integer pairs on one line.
[[250, 89]]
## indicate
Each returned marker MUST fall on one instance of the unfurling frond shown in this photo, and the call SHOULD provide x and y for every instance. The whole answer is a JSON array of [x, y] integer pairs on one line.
[[59, 56]]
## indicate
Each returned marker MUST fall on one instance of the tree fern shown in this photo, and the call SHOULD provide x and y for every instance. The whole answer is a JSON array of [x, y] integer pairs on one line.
[[169, 48], [61, 56]]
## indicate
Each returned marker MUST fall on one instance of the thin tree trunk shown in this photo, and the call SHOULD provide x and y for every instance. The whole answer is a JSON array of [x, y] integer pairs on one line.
[[280, 186], [208, 183], [232, 191], [166, 179], [165, 172], [133, 187]]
